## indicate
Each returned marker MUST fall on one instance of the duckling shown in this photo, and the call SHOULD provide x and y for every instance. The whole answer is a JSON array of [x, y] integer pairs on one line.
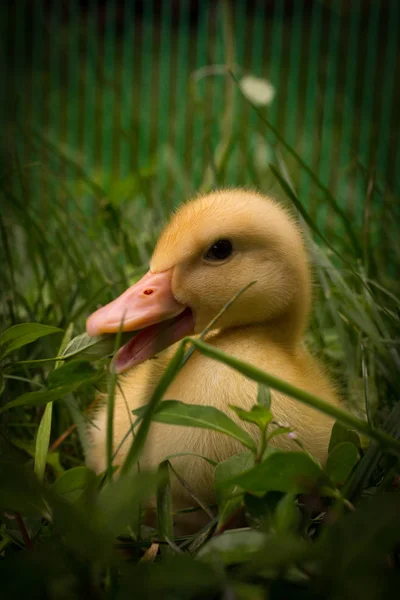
[[213, 247]]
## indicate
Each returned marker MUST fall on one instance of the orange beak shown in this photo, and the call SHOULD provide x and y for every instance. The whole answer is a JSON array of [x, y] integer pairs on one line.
[[150, 306]]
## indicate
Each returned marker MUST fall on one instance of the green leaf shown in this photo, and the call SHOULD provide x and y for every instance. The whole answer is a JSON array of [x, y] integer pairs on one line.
[[83, 528], [340, 434], [260, 510], [37, 398], [71, 484], [119, 501], [264, 396], [72, 375], [42, 442], [63, 381], [287, 514], [229, 468], [259, 415], [53, 460], [19, 335], [94, 348], [287, 472], [174, 412], [341, 461], [234, 547], [230, 497], [64, 342]]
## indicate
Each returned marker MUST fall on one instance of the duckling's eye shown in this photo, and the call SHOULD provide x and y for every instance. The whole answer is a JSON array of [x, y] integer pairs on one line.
[[219, 251]]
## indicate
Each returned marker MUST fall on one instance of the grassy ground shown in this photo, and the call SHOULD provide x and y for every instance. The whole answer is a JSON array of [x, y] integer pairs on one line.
[[69, 535]]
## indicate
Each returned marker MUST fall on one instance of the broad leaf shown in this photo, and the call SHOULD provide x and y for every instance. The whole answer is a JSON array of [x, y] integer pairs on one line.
[[174, 412], [73, 374], [260, 510], [63, 381], [19, 335], [83, 529], [341, 461], [94, 348], [73, 482], [340, 434], [287, 515], [229, 497], [229, 468], [39, 398], [293, 472], [119, 501], [259, 415], [234, 546]]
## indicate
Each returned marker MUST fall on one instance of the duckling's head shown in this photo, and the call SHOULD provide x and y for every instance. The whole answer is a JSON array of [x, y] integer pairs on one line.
[[214, 246]]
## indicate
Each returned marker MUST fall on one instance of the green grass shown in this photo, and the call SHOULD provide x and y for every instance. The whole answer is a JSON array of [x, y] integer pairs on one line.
[[66, 533]]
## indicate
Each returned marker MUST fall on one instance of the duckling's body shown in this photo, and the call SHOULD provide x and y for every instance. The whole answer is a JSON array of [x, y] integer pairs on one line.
[[207, 382], [265, 329]]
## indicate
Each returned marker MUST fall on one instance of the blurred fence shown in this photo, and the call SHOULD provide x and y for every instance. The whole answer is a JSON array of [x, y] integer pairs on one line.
[[124, 96]]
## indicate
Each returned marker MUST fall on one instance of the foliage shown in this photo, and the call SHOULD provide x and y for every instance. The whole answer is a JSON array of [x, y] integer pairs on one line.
[[312, 531]]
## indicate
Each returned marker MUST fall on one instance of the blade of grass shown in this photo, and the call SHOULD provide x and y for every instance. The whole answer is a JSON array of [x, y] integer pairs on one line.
[[44, 430], [110, 409], [162, 386], [176, 363], [165, 522], [385, 440], [187, 487]]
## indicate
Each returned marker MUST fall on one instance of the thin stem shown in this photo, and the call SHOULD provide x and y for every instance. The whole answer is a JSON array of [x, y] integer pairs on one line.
[[262, 446]]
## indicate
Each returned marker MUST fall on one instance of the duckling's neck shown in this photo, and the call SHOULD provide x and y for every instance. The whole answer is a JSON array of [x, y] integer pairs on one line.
[[285, 331], [288, 328]]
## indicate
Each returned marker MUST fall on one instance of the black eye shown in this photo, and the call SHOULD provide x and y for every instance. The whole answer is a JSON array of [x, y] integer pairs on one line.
[[219, 251]]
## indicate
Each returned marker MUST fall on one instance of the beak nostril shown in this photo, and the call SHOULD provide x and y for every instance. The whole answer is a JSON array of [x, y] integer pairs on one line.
[[148, 292]]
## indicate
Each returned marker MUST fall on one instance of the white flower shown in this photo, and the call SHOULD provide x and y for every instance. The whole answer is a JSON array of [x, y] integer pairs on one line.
[[259, 91]]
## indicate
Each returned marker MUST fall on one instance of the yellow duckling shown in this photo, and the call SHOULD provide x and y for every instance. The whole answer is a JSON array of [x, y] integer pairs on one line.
[[213, 247]]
